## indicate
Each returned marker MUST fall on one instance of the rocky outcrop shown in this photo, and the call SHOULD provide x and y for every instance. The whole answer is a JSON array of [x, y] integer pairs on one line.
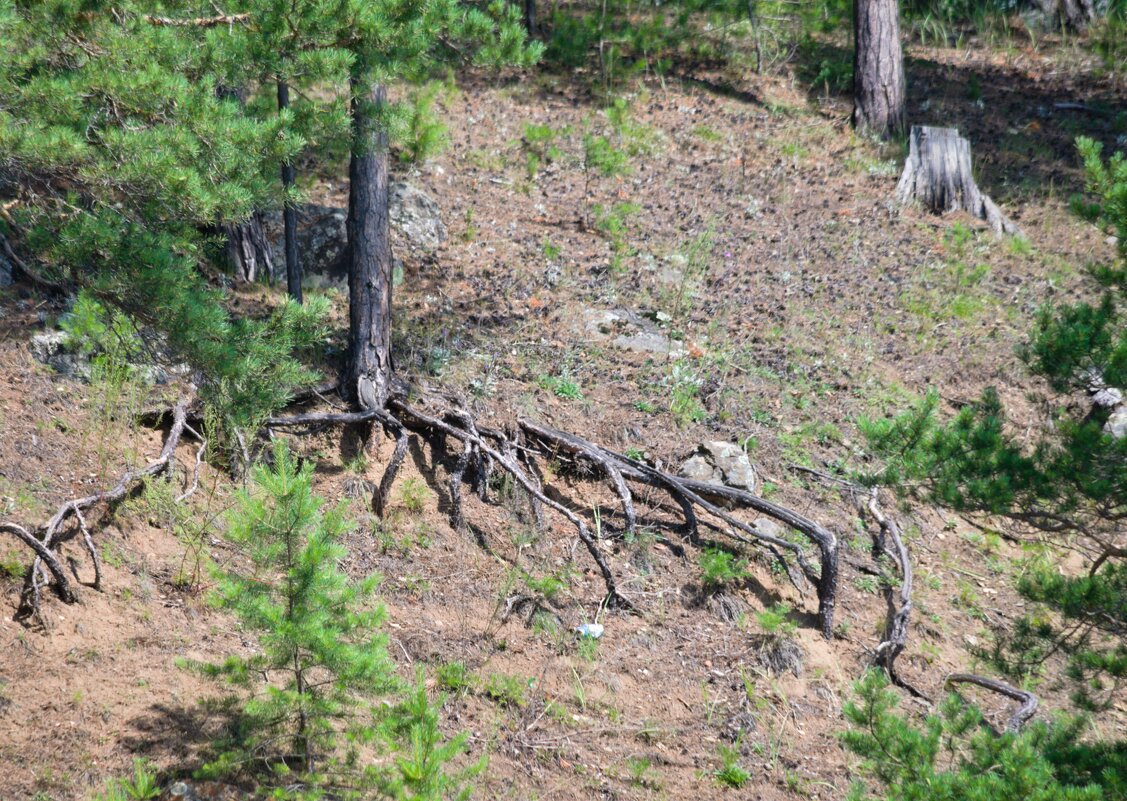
[[722, 464], [323, 231]]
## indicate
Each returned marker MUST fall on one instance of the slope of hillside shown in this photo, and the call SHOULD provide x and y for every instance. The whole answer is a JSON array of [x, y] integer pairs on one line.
[[745, 277]]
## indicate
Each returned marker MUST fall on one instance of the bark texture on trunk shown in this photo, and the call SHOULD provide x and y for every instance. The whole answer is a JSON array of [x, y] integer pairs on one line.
[[938, 175], [248, 250], [289, 213], [370, 263], [530, 18], [1073, 15], [878, 69]]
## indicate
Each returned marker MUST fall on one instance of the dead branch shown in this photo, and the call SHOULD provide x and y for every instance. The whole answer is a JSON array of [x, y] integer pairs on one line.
[[1028, 700], [198, 22], [54, 534]]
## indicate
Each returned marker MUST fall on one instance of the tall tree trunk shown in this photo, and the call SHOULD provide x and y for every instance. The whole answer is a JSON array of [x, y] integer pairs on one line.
[[369, 245], [878, 69], [530, 18], [289, 213]]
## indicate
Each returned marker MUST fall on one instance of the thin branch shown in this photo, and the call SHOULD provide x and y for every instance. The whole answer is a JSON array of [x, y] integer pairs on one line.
[[197, 22]]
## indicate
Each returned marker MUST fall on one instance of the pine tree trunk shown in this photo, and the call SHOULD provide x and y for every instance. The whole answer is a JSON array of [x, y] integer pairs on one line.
[[248, 250], [370, 263], [530, 18], [878, 69], [1073, 15], [289, 213], [939, 176]]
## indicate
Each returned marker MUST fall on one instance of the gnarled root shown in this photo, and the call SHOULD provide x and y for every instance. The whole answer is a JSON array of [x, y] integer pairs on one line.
[[54, 532], [515, 454], [689, 493], [888, 542], [1028, 700], [481, 448]]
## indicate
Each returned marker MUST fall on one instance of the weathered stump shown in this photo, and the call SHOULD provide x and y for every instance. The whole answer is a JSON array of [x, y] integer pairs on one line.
[[248, 250], [938, 175], [1073, 15]]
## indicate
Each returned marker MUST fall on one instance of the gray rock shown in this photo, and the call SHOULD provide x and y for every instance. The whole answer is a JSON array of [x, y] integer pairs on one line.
[[1107, 396], [769, 527], [722, 464], [51, 348], [54, 349], [1116, 424], [650, 342], [322, 239], [629, 331], [699, 468], [417, 216]]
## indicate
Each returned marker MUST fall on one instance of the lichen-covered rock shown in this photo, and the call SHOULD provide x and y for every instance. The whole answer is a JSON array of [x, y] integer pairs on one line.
[[722, 464], [322, 238], [201, 791], [55, 349], [628, 330], [1116, 424], [417, 216]]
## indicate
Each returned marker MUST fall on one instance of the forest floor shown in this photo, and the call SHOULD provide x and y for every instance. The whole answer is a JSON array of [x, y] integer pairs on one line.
[[748, 279]]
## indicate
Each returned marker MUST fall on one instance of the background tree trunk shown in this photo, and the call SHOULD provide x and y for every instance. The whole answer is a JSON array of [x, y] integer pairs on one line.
[[289, 213], [248, 250], [878, 69], [530, 18], [370, 263], [939, 176], [1073, 15]]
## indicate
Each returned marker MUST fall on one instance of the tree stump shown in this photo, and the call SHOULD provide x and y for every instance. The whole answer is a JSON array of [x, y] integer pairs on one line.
[[938, 175], [1072, 15], [248, 250]]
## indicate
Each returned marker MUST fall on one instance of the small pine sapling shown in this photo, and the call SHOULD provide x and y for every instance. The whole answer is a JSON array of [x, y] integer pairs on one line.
[[323, 655]]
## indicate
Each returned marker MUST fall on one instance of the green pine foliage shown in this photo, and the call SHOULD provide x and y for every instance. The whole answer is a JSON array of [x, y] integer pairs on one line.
[[322, 650], [121, 145], [1069, 485], [313, 700], [117, 153], [951, 756], [421, 769]]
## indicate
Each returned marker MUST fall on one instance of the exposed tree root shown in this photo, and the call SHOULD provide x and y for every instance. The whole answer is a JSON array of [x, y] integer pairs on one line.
[[899, 600], [459, 425], [689, 493], [515, 454], [510, 465], [62, 584], [1028, 700], [54, 533]]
